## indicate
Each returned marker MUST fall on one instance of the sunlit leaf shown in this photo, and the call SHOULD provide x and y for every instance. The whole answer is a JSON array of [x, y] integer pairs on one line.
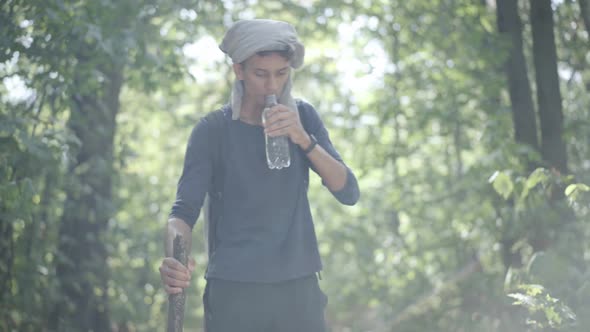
[[502, 184]]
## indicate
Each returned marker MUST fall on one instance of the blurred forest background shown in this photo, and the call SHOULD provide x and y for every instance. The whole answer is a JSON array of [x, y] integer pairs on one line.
[[466, 121]]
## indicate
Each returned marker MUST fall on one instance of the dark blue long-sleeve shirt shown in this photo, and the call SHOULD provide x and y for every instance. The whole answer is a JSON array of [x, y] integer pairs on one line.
[[266, 231]]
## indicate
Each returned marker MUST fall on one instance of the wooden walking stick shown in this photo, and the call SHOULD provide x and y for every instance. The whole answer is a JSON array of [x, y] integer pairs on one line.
[[176, 301]]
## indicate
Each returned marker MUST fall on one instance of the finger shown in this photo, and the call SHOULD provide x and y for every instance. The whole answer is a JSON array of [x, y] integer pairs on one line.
[[280, 108], [172, 290], [167, 271], [277, 112], [282, 119], [284, 127], [173, 282], [173, 264]]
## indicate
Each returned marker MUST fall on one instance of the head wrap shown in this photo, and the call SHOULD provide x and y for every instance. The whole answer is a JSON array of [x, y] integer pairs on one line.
[[247, 37]]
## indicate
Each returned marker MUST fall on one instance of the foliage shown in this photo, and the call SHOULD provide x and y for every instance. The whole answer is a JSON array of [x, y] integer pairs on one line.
[[557, 267], [551, 312]]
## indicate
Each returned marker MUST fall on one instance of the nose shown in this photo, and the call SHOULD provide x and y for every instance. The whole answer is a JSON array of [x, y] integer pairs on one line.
[[272, 84]]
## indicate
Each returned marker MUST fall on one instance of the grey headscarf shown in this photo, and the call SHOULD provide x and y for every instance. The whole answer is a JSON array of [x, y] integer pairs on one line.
[[246, 38]]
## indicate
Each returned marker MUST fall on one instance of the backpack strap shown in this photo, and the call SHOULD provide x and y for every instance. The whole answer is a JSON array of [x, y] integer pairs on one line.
[[214, 198], [303, 114]]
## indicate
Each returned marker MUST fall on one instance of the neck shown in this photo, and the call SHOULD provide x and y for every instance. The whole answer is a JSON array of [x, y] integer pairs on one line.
[[251, 111]]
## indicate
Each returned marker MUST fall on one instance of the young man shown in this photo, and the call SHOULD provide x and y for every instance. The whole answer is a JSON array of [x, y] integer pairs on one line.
[[262, 269]]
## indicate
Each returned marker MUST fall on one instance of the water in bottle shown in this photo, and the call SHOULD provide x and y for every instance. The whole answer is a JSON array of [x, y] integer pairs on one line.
[[277, 148]]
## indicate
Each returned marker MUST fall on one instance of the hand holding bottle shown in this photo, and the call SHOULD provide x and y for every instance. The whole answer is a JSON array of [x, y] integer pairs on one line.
[[281, 121]]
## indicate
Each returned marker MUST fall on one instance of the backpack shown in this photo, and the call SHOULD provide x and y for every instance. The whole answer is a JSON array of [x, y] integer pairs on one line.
[[213, 202]]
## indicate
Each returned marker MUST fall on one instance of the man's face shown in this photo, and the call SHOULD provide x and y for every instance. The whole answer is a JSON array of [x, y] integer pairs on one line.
[[263, 75]]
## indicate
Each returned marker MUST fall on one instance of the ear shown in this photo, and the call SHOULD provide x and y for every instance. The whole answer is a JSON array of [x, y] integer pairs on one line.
[[239, 71]]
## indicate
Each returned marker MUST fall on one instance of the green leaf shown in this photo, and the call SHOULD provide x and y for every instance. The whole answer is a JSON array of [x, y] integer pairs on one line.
[[523, 299], [502, 184], [573, 189], [540, 175]]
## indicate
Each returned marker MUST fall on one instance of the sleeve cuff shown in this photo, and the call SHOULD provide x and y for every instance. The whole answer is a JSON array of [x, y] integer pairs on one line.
[[350, 194]]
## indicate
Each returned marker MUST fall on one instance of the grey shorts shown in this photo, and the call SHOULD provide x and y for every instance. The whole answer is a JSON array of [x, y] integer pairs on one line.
[[290, 306]]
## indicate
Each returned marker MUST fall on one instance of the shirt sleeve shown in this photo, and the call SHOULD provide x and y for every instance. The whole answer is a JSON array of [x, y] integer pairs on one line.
[[314, 125], [196, 175]]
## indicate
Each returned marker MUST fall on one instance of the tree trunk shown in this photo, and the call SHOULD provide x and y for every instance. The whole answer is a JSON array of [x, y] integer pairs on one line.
[[81, 267], [585, 11], [6, 265], [521, 100], [553, 147], [523, 112], [6, 258]]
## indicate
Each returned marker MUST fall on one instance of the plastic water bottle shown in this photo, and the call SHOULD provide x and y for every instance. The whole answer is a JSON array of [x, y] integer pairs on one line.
[[277, 148]]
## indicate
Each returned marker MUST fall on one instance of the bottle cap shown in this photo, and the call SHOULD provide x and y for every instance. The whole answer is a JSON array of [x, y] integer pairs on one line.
[[270, 100]]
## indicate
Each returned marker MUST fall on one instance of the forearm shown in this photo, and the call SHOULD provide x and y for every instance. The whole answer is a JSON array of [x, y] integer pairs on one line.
[[174, 227], [324, 159], [332, 171]]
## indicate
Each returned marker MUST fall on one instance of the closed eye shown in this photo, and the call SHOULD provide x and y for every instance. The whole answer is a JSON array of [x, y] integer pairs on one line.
[[261, 73]]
